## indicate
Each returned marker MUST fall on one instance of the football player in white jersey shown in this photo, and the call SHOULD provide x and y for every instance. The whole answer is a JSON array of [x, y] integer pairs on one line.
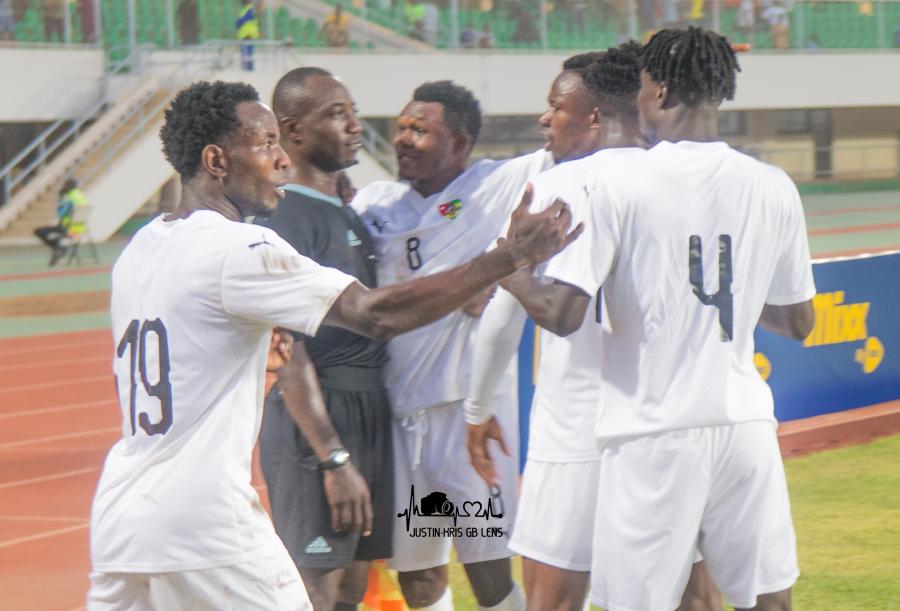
[[175, 522], [442, 214], [593, 106], [694, 244]]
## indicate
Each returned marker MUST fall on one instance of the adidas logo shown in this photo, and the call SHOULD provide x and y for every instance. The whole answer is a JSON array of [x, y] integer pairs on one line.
[[318, 546], [352, 238]]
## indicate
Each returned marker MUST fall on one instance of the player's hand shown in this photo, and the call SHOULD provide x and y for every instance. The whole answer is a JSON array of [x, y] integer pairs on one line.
[[477, 436], [534, 238], [281, 347], [348, 498]]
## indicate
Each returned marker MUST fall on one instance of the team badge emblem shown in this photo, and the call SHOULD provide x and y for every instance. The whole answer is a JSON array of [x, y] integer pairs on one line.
[[451, 209]]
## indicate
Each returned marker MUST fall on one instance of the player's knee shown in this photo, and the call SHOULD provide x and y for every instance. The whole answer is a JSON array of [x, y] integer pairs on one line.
[[775, 601], [423, 588], [354, 584], [491, 581]]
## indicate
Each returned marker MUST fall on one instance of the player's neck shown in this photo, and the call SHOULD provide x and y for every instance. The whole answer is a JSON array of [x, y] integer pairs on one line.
[[697, 125], [195, 198], [430, 185], [310, 176], [616, 134]]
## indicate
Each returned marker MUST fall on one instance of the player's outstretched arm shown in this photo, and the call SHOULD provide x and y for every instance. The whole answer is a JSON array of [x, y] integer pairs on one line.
[[386, 312], [557, 307], [345, 488], [795, 321]]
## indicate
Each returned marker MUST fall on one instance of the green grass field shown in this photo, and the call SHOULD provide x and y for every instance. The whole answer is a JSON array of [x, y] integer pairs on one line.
[[846, 506]]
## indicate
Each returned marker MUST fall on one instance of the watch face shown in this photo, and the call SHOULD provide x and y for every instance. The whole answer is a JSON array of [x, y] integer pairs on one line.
[[340, 457]]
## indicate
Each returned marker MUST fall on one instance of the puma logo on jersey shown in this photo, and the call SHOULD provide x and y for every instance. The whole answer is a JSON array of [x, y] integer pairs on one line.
[[318, 546], [264, 241], [379, 225]]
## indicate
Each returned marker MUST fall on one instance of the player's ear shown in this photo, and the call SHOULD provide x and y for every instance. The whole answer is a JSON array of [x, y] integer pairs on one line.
[[663, 99], [462, 142], [292, 131], [596, 115], [214, 160]]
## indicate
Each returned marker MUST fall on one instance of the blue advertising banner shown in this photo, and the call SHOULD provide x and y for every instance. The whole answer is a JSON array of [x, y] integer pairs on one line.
[[851, 359]]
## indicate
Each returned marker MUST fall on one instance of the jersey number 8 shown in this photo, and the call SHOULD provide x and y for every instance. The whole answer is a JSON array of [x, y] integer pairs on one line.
[[135, 337]]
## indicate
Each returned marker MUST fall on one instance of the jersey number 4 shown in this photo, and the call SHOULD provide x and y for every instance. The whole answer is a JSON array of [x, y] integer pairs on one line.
[[135, 338], [721, 299]]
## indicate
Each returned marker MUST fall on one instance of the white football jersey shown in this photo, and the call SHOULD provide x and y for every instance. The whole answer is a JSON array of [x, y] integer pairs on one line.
[[193, 304], [689, 241], [417, 236], [567, 388]]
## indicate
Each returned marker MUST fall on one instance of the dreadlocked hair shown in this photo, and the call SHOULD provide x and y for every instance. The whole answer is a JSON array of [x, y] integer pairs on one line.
[[614, 78], [697, 65]]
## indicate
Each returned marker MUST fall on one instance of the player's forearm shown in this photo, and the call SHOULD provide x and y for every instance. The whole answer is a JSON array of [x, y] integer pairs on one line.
[[303, 400], [552, 306], [498, 337], [386, 312], [795, 321]]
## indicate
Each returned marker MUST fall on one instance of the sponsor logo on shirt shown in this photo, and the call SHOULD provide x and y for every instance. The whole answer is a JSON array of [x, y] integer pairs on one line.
[[451, 209], [352, 238], [437, 505], [318, 546]]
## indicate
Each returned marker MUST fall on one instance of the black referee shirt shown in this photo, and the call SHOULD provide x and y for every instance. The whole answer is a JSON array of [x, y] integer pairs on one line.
[[322, 228]]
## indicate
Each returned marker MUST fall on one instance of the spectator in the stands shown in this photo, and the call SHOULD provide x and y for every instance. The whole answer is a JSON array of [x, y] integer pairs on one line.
[[70, 197], [746, 17], [431, 22], [336, 27], [7, 20], [897, 37], [577, 14], [86, 15], [526, 30], [487, 37], [776, 15], [414, 16], [53, 21], [247, 31], [188, 23], [468, 38]]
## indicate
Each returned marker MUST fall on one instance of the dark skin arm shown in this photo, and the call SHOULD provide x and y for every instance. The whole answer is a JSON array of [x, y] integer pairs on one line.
[[345, 488], [558, 307], [386, 312], [795, 321]]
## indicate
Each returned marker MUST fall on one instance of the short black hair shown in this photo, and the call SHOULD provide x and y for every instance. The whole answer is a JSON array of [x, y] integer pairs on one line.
[[695, 64], [204, 113], [462, 112], [290, 87], [613, 78], [582, 60]]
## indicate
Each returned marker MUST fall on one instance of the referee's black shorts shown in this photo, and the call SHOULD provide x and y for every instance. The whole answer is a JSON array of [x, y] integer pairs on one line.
[[361, 413]]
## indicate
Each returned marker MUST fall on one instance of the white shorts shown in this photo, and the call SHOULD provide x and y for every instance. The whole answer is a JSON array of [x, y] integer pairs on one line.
[[557, 508], [431, 460], [270, 583], [721, 489]]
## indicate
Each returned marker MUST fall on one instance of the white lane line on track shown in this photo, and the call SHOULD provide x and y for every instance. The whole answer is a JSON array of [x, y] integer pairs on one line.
[[28, 442], [43, 535], [47, 478], [67, 382], [54, 347], [42, 519], [59, 363], [61, 408]]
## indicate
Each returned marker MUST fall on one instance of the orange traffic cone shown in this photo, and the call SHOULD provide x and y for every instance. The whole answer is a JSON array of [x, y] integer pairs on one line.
[[383, 593]]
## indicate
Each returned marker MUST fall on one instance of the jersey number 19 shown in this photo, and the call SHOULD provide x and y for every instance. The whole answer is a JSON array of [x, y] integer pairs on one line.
[[135, 338]]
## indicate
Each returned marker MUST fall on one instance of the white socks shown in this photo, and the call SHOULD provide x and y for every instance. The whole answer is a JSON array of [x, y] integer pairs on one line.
[[444, 603], [514, 601]]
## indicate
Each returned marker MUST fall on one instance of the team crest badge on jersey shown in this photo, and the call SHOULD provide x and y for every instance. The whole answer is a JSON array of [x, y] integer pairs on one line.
[[451, 209]]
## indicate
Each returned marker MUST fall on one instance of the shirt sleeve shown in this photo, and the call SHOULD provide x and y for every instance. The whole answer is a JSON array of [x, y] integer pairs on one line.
[[265, 280], [499, 332], [589, 259], [792, 281]]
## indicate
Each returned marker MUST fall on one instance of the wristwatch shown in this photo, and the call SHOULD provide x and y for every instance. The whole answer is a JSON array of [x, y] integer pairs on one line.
[[337, 458]]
